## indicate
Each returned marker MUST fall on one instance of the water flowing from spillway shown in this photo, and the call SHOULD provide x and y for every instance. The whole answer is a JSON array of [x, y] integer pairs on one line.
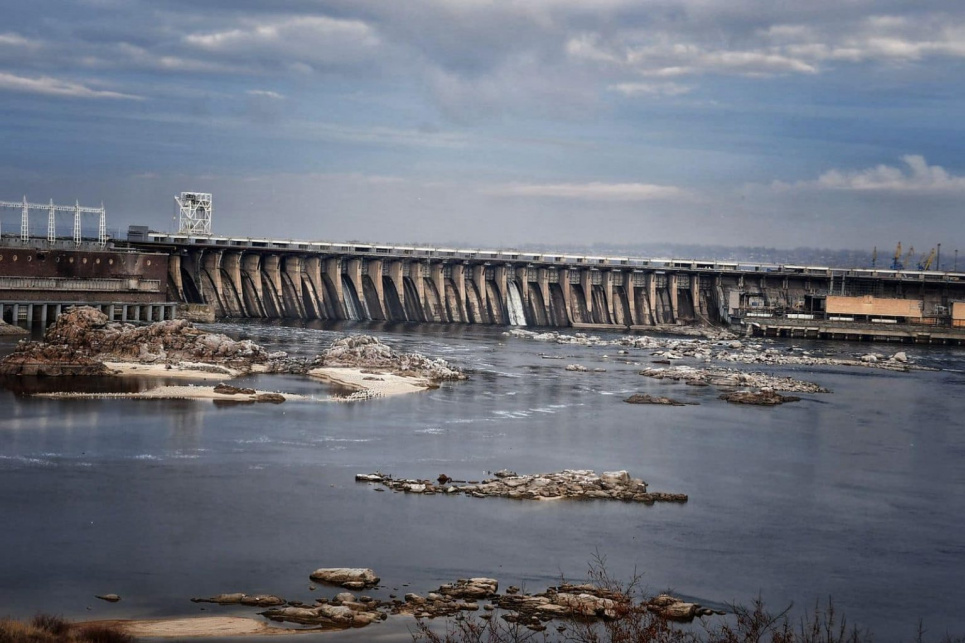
[[351, 300], [514, 305]]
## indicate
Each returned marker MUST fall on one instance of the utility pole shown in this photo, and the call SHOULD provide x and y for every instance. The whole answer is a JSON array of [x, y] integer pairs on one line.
[[939, 258]]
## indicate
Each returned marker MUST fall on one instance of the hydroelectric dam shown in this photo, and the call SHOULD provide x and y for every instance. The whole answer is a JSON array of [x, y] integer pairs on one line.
[[271, 278], [153, 276]]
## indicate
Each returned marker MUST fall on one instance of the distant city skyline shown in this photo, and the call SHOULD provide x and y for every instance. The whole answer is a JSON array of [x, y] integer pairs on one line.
[[547, 123]]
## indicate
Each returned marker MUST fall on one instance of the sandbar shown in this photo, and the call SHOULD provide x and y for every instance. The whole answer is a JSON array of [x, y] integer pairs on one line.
[[376, 384], [174, 393], [198, 627], [190, 370]]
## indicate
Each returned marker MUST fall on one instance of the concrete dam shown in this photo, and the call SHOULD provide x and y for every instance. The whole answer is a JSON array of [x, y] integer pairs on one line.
[[263, 278]]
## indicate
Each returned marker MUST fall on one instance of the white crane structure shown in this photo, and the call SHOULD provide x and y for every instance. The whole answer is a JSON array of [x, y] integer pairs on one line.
[[194, 214], [52, 209]]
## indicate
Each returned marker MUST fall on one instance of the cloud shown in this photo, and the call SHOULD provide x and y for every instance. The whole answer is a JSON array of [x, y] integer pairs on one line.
[[594, 191], [264, 93], [11, 39], [675, 58], [916, 177], [315, 41], [48, 86], [650, 89]]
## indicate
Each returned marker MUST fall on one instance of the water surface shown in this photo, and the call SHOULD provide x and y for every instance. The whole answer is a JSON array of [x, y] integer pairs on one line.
[[858, 494]]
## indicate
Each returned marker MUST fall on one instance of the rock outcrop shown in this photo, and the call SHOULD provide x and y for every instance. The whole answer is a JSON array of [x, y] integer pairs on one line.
[[110, 598], [343, 611], [10, 329], [567, 484], [759, 398], [731, 378], [238, 598], [349, 577], [720, 347], [643, 398], [81, 339], [369, 353], [676, 609]]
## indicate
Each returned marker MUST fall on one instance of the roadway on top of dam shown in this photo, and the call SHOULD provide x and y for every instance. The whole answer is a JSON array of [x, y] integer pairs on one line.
[[508, 256]]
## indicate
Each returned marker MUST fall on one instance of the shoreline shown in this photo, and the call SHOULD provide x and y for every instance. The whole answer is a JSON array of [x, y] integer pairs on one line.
[[198, 627], [365, 384], [189, 392]]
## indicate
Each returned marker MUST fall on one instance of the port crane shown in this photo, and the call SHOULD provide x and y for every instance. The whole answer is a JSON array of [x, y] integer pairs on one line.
[[925, 262], [896, 260]]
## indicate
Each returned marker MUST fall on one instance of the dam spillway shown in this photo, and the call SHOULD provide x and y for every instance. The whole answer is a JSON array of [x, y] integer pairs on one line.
[[277, 279]]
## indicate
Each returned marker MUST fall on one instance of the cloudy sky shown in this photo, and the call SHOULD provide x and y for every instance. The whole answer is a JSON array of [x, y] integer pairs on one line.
[[829, 123]]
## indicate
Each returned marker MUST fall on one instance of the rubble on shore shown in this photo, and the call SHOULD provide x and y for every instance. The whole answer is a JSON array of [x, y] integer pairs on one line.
[[574, 484]]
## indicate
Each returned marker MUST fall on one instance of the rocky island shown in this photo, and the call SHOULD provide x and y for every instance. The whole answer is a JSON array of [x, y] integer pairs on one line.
[[83, 342], [574, 484]]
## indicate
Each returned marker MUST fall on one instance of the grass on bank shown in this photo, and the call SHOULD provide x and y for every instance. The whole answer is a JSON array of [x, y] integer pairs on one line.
[[44, 628]]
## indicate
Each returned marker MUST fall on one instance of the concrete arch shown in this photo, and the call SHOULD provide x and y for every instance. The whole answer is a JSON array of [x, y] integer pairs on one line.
[[494, 300], [311, 301], [435, 308], [621, 307], [663, 312], [251, 294], [557, 307], [685, 306], [271, 297], [354, 309], [332, 302], [475, 309], [192, 293], [414, 308], [453, 307], [579, 310], [536, 310], [601, 307], [394, 310], [233, 303], [291, 297], [373, 303]]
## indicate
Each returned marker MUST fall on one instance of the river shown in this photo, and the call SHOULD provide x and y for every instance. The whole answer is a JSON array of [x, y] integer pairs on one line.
[[858, 494]]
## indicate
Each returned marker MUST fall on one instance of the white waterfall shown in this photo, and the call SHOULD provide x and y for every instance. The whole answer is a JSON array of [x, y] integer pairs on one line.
[[514, 305], [350, 308]]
